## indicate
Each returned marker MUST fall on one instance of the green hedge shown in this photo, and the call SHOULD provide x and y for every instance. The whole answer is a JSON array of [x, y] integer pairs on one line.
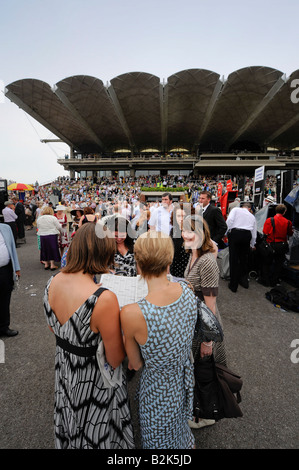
[[164, 190]]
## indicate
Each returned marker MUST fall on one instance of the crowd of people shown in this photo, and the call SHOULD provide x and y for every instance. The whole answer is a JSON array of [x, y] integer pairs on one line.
[[109, 188], [94, 229]]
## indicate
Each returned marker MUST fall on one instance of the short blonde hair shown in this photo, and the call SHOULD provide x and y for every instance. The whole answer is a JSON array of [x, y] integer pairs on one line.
[[153, 253], [47, 211]]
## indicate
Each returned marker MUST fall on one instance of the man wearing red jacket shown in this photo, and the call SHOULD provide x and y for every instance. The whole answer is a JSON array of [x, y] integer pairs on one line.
[[277, 229]]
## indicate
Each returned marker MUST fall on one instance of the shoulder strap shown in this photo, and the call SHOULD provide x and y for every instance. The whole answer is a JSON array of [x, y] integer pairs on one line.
[[99, 291], [273, 225]]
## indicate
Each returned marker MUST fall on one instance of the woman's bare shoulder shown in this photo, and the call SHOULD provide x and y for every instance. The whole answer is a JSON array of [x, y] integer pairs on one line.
[[130, 310]]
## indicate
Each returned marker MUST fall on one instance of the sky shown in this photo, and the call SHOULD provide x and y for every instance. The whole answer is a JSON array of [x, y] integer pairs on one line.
[[52, 40]]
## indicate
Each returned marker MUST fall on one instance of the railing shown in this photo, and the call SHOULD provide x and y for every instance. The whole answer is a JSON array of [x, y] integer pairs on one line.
[[130, 158]]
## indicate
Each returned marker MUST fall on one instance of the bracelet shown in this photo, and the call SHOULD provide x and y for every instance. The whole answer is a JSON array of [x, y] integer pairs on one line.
[[208, 344]]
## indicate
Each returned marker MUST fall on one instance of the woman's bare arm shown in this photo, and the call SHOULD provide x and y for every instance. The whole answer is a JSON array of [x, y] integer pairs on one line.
[[130, 323], [106, 320]]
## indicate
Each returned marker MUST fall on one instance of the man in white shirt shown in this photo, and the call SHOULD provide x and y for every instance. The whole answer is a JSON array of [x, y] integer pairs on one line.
[[9, 272], [242, 232], [160, 218]]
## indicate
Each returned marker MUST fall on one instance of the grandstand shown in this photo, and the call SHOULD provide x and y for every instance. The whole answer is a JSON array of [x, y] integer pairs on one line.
[[195, 121]]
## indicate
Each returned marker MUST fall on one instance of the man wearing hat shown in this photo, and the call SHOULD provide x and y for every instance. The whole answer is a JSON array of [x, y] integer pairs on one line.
[[269, 200], [10, 217]]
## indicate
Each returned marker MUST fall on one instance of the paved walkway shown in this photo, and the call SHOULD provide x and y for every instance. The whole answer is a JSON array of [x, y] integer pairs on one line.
[[258, 338]]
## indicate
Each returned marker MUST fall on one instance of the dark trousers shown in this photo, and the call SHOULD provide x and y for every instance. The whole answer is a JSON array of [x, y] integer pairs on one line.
[[6, 286], [271, 270], [239, 249], [20, 229]]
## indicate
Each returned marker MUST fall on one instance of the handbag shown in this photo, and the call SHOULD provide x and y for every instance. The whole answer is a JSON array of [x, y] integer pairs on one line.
[[207, 326], [280, 248], [216, 391], [266, 250]]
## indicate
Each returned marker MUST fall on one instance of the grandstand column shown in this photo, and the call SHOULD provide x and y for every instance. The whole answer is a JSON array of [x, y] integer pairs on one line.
[[132, 173], [72, 174]]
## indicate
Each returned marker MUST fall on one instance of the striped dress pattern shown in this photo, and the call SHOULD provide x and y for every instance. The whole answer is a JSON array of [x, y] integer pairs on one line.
[[166, 383], [203, 275], [86, 414]]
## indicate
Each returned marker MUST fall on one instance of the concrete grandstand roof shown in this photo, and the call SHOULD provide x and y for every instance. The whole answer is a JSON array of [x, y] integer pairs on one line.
[[193, 107]]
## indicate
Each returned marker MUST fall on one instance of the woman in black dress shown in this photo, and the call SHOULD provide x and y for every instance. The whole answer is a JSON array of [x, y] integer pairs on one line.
[[181, 257]]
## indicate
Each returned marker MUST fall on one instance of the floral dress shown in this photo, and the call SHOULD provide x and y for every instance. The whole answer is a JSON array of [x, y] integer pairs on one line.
[[63, 241], [125, 265]]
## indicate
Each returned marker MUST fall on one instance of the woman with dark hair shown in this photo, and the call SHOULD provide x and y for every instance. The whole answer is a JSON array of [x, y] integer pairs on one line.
[[202, 272], [88, 414], [88, 216], [124, 260], [76, 214], [181, 256]]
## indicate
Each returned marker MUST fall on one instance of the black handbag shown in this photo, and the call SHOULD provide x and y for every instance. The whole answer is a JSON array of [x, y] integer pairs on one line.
[[216, 391], [280, 248], [207, 326], [265, 249]]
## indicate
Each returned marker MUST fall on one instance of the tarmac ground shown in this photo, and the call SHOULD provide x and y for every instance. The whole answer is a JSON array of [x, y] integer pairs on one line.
[[258, 339]]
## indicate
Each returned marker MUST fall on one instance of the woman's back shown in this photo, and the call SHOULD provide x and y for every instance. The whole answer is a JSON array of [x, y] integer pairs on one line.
[[87, 414], [167, 373]]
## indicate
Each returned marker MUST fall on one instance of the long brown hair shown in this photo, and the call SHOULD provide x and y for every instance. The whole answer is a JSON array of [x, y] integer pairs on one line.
[[197, 224], [90, 253]]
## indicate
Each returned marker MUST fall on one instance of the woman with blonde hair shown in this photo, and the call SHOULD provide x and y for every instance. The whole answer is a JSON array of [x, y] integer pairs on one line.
[[158, 332], [88, 413], [48, 231]]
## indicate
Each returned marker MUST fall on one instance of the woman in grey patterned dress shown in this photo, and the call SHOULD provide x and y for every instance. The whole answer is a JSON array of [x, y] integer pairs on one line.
[[87, 415], [203, 274], [158, 334]]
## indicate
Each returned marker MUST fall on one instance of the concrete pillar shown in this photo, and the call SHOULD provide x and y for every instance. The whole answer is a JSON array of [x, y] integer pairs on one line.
[[72, 174], [132, 172]]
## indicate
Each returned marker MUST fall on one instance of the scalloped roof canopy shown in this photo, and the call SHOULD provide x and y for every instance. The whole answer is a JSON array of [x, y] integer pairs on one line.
[[192, 107]]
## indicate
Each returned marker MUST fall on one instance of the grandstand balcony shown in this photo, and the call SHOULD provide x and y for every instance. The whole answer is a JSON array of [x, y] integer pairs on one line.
[[207, 162]]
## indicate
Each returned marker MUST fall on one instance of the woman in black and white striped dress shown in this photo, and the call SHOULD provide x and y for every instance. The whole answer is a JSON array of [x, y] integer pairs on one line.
[[88, 414]]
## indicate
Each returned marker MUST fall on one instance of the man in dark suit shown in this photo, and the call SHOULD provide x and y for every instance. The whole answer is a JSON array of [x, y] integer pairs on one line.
[[213, 216], [20, 212]]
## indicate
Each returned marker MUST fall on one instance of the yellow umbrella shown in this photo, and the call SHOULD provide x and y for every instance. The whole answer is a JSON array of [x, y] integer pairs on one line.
[[20, 187]]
